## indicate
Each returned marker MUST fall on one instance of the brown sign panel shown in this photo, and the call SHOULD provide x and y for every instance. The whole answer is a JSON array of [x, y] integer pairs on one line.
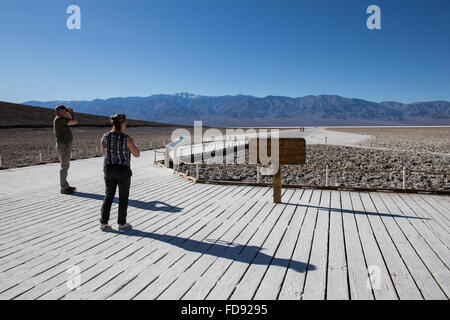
[[291, 150]]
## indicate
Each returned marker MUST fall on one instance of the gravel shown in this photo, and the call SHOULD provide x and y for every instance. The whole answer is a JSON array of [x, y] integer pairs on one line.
[[353, 158]]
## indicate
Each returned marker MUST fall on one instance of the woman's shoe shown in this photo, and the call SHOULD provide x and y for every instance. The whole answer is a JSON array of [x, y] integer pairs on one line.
[[123, 227], [105, 227]]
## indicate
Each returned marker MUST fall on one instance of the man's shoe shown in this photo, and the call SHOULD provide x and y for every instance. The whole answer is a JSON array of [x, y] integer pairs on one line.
[[123, 227], [72, 188], [105, 227], [67, 191]]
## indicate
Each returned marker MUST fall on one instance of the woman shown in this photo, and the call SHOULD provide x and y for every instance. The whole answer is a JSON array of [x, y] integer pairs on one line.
[[116, 146]]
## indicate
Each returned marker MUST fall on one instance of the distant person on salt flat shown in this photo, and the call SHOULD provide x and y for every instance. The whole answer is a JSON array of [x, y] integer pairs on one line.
[[116, 146], [65, 117]]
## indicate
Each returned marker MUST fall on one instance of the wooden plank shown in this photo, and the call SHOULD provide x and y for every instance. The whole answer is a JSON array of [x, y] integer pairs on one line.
[[443, 200], [63, 234], [174, 282], [220, 285], [208, 280], [431, 211], [293, 284], [358, 273], [215, 230], [56, 214], [272, 282], [147, 240], [440, 203], [145, 243], [316, 279], [249, 284], [337, 279], [428, 227], [431, 275], [123, 280], [401, 277], [57, 227], [116, 270], [382, 285], [97, 232]]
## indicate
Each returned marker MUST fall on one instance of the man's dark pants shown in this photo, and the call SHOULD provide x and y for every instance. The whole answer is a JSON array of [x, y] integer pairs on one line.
[[116, 175]]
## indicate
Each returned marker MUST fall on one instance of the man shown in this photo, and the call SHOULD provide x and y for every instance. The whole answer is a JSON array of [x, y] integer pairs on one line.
[[64, 118]]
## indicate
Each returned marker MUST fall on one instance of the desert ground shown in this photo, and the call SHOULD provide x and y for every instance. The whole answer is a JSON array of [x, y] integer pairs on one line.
[[22, 147], [424, 152]]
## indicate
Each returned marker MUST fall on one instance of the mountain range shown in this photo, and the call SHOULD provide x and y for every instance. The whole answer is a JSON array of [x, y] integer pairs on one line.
[[245, 110]]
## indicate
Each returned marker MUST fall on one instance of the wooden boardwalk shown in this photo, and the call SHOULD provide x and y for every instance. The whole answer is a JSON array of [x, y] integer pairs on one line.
[[197, 241]]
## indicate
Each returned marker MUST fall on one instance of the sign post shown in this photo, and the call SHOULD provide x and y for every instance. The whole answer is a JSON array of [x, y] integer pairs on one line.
[[292, 151], [277, 186]]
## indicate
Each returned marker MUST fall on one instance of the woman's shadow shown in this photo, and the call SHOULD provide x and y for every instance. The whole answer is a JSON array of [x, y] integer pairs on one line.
[[222, 249], [151, 205]]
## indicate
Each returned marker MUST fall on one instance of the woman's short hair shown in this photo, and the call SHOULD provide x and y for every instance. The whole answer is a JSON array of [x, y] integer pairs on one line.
[[117, 120]]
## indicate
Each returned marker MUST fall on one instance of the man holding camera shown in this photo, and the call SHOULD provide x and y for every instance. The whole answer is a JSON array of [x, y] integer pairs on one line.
[[64, 118]]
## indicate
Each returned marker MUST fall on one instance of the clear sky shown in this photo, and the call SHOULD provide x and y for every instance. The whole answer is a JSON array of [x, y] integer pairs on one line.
[[217, 47]]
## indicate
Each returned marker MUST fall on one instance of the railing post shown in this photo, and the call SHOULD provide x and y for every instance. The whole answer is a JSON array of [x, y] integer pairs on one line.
[[0, 160], [404, 178], [166, 157], [175, 159], [327, 176], [197, 167], [154, 156], [40, 157], [258, 175]]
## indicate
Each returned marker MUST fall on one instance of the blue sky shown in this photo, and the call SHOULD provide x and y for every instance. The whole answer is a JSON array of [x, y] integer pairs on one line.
[[218, 47]]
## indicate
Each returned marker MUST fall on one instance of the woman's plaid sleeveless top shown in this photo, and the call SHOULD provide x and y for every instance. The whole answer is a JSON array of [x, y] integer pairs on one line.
[[116, 151]]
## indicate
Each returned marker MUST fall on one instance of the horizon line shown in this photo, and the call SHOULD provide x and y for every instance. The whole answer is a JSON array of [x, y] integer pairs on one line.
[[224, 95]]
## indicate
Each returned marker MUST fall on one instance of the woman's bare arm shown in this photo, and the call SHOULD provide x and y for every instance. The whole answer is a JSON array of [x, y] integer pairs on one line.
[[101, 146], [132, 147]]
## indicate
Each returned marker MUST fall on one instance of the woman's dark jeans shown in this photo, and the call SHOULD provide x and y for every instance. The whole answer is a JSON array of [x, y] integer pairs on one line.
[[116, 175]]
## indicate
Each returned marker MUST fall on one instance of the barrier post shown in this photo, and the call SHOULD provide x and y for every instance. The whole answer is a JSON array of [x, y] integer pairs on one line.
[[327, 176], [166, 157], [277, 186], [197, 167], [175, 159], [404, 178], [258, 176]]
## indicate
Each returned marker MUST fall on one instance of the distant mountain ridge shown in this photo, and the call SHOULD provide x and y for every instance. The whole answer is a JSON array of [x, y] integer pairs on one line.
[[14, 115], [245, 110]]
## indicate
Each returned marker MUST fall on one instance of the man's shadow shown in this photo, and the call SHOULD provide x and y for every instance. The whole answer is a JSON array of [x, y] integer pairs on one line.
[[221, 249], [151, 205]]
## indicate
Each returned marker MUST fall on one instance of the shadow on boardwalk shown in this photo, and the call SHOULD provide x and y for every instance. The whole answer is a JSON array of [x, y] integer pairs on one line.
[[151, 205], [222, 249], [355, 211]]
